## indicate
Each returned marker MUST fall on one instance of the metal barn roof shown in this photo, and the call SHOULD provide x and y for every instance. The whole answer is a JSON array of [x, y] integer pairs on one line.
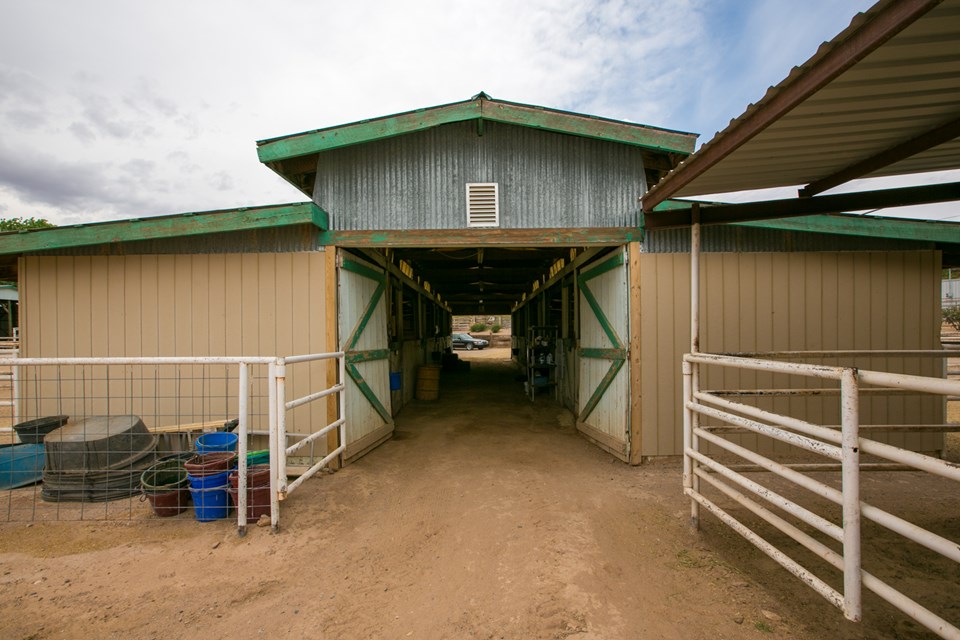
[[294, 157], [159, 227], [880, 99]]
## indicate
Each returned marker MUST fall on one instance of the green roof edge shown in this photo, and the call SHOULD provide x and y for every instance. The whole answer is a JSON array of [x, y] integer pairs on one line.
[[478, 108], [859, 225], [171, 226]]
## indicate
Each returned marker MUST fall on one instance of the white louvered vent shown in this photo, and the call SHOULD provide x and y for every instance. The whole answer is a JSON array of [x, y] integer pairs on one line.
[[483, 204]]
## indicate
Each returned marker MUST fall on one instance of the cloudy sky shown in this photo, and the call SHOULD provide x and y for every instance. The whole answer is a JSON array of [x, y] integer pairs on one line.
[[116, 109]]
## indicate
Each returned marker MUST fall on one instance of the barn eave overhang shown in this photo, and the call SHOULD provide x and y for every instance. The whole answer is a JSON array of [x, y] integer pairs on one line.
[[161, 227]]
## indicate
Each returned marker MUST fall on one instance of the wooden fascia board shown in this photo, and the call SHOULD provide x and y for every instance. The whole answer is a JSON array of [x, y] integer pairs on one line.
[[921, 231], [588, 127], [313, 142], [365, 131], [189, 224], [468, 238]]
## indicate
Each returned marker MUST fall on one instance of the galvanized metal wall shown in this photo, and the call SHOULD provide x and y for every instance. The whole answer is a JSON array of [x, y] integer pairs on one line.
[[182, 305], [729, 238], [417, 181], [797, 301]]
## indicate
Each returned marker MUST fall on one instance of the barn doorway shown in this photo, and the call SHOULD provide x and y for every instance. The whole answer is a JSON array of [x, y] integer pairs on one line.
[[568, 342]]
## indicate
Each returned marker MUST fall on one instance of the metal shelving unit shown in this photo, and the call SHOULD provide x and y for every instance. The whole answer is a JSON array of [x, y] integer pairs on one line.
[[543, 360]]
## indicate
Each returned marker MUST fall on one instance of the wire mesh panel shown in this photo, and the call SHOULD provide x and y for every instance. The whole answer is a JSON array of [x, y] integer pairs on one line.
[[107, 439]]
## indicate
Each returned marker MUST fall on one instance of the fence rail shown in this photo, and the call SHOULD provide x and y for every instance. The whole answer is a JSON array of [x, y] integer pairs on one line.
[[728, 413], [176, 399]]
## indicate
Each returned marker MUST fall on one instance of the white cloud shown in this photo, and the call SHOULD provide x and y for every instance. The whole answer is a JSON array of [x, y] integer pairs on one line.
[[113, 109]]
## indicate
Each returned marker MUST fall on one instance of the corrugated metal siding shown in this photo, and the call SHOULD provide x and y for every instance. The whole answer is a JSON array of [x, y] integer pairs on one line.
[[799, 301], [417, 181], [270, 240], [180, 305], [727, 238]]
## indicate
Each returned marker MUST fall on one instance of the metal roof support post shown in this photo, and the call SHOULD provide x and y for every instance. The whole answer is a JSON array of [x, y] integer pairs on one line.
[[850, 452], [694, 348]]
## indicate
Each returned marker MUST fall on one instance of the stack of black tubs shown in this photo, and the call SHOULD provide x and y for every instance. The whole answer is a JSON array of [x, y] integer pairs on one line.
[[97, 459]]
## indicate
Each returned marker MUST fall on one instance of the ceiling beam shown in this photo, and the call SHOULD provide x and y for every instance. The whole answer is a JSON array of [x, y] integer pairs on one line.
[[884, 23], [943, 133], [472, 238], [770, 209]]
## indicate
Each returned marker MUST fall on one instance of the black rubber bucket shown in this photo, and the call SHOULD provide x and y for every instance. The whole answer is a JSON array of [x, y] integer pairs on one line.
[[33, 431]]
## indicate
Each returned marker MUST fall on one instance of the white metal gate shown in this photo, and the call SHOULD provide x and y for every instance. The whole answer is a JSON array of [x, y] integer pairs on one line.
[[604, 396]]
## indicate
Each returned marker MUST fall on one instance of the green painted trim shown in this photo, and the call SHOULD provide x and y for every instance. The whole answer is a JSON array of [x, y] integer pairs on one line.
[[603, 354], [605, 383], [609, 264], [618, 354], [469, 238], [663, 140], [367, 314], [174, 226], [362, 270], [368, 393], [479, 108], [850, 225], [302, 144], [356, 357]]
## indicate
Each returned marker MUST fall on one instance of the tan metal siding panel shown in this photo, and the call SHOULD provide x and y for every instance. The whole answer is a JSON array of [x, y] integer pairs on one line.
[[763, 302], [170, 305]]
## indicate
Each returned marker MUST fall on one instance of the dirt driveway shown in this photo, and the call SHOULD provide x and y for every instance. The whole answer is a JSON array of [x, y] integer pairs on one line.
[[487, 516]]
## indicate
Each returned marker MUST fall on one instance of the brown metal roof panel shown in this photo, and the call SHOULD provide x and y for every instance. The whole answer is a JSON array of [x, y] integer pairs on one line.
[[909, 85]]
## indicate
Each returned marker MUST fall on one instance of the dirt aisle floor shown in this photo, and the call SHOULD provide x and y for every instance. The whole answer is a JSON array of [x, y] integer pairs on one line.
[[487, 516]]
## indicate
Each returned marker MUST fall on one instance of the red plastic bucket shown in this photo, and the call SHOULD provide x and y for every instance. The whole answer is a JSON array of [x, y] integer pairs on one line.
[[258, 491], [205, 464], [169, 503]]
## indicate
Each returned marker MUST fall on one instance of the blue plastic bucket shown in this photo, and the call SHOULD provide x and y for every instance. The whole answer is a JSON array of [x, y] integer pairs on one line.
[[395, 381], [210, 500], [218, 441]]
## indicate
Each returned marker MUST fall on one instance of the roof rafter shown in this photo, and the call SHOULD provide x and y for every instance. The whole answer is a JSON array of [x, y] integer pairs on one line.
[[902, 151], [770, 209]]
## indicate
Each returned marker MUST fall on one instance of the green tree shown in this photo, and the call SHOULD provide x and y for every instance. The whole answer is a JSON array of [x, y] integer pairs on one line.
[[20, 224]]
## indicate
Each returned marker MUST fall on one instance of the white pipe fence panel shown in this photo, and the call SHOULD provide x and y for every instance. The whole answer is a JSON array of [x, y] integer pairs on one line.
[[847, 444]]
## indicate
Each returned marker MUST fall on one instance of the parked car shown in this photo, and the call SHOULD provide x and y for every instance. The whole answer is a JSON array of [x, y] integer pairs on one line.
[[468, 342]]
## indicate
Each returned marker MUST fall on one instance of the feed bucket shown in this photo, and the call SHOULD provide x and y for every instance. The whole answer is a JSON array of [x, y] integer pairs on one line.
[[169, 503], [205, 464], [164, 476], [396, 381], [210, 496], [258, 491], [258, 457], [428, 382], [217, 441]]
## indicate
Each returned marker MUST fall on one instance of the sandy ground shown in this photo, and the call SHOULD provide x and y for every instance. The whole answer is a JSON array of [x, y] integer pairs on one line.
[[487, 516]]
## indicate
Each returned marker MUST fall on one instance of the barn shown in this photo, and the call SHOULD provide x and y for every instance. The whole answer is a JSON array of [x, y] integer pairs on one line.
[[478, 207], [660, 337]]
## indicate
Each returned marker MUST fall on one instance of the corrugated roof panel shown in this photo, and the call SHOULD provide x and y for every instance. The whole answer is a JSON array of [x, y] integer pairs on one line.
[[906, 87]]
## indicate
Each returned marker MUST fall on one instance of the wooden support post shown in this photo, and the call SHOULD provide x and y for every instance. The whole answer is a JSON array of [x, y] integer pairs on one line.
[[333, 344], [636, 394]]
